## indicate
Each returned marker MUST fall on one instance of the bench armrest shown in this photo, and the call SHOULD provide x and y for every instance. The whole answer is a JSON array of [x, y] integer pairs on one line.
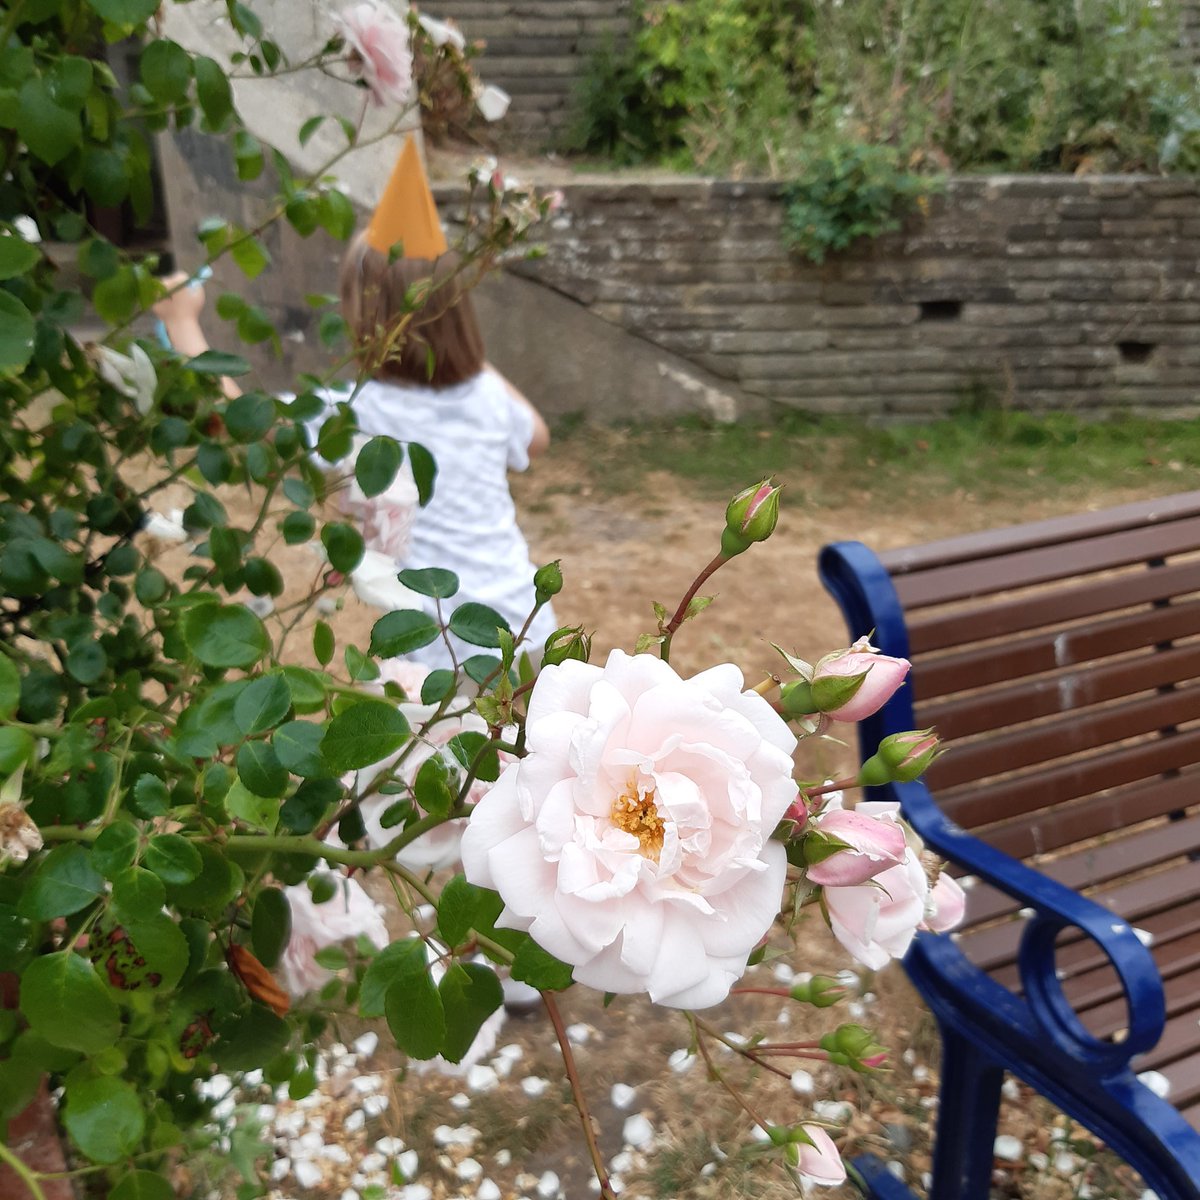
[[1057, 907]]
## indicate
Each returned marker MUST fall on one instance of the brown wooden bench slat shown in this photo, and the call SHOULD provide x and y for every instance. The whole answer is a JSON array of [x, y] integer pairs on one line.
[[1047, 696], [1055, 649], [975, 805], [939, 630], [1181, 1038], [1091, 866], [1033, 534], [1027, 568], [1040, 833], [997, 945], [1184, 1077], [1074, 734], [1087, 990], [1108, 1019]]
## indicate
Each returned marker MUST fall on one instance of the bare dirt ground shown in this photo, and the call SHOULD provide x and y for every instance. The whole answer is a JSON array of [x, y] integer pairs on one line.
[[619, 554]]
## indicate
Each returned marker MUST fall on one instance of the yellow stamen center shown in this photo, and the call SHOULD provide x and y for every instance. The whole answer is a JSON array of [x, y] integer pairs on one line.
[[634, 811]]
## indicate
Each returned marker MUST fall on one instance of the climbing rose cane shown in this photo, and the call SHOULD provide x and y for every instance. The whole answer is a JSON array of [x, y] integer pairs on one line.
[[633, 841]]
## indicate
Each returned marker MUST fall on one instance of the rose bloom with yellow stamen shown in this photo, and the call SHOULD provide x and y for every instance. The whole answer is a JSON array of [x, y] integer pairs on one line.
[[633, 840]]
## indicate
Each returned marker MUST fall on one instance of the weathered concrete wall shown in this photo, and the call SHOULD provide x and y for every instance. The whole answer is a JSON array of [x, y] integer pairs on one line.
[[1044, 292], [537, 50]]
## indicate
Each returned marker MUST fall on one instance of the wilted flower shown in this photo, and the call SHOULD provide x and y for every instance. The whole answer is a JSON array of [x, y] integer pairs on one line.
[[347, 914], [19, 836], [132, 375], [379, 50], [634, 841]]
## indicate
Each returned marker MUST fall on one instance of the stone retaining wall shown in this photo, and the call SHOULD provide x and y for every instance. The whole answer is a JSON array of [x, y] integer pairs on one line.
[[1042, 292]]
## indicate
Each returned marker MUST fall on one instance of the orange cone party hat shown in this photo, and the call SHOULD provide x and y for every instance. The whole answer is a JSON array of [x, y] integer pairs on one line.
[[406, 213]]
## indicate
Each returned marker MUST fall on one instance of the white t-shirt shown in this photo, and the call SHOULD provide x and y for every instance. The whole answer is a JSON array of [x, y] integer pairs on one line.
[[477, 432]]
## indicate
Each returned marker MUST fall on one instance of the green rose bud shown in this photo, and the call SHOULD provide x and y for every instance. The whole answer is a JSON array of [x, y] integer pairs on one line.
[[820, 991], [568, 642], [751, 517], [547, 581]]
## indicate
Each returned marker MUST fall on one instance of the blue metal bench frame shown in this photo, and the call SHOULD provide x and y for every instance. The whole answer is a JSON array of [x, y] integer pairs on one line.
[[987, 1029]]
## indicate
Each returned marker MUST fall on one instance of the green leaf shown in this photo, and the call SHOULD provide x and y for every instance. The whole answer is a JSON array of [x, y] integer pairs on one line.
[[214, 362], [142, 1185], [260, 770], [105, 176], [401, 632], [114, 298], [10, 688], [216, 885], [436, 786], [172, 858], [247, 155], [391, 963], [309, 128], [458, 907], [336, 214], [377, 464], [115, 848], [470, 993], [251, 1039], [16, 335], [259, 812], [362, 735], [478, 624], [16, 256], [251, 256], [270, 925], [298, 527], [16, 745], [160, 952], [304, 810], [344, 545], [125, 12], [467, 746], [213, 91], [298, 748], [66, 881], [263, 705], [432, 581], [323, 643], [437, 686], [424, 471], [307, 688], [166, 70], [86, 662], [415, 1015], [151, 797], [539, 969], [64, 1002], [104, 1118], [137, 895], [50, 131], [225, 635]]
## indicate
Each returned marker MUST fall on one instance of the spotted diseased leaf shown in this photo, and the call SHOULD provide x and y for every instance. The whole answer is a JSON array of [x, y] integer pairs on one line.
[[257, 980]]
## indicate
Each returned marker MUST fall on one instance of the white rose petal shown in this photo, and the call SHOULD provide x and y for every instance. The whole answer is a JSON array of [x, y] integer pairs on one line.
[[492, 102]]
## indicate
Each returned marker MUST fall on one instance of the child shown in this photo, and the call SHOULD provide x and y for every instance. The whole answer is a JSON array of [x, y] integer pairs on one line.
[[429, 383]]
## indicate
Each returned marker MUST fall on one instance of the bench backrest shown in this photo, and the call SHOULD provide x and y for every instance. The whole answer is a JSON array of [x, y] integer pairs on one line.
[[1059, 660]]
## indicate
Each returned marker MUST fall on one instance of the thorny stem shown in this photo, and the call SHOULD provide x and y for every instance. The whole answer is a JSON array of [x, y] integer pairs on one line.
[[699, 1030], [581, 1105], [28, 1178], [672, 626]]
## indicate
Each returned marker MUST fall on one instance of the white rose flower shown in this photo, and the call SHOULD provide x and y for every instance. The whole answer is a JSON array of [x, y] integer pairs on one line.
[[634, 840]]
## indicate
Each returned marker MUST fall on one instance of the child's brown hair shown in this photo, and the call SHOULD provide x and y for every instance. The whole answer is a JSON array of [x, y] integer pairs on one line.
[[437, 345]]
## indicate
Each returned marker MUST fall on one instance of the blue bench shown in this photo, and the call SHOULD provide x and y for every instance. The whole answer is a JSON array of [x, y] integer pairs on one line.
[[1060, 661]]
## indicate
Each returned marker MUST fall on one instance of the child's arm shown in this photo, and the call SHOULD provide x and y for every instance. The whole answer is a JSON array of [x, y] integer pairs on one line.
[[540, 442], [180, 313]]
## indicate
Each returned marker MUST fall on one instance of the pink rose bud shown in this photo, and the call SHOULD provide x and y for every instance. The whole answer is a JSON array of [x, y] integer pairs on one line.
[[945, 905], [901, 758], [817, 1158], [854, 684], [846, 848], [820, 991], [751, 517], [797, 814], [854, 1047]]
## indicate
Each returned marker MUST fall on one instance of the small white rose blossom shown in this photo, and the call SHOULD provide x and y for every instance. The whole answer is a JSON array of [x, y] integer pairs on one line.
[[634, 840], [380, 54], [347, 914], [130, 374]]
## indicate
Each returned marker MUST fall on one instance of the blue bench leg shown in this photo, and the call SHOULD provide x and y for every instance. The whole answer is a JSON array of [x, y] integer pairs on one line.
[[968, 1109]]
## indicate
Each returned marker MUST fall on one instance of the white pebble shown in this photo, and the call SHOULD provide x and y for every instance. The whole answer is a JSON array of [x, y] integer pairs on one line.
[[365, 1085], [306, 1174], [511, 1052], [623, 1095], [355, 1121], [622, 1163], [487, 1190], [372, 1162], [896, 1169], [447, 1135], [468, 1170], [1038, 1161], [1010, 1090], [336, 1154], [349, 1194], [1008, 1148], [367, 1044], [578, 1035], [326, 605], [281, 1168], [409, 1163], [783, 973], [460, 1101], [481, 1078], [426, 912], [415, 1191], [856, 1010], [1066, 1164], [503, 1157], [920, 1074], [759, 1134], [802, 1083], [637, 1131], [709, 1168], [375, 1106], [1157, 1082], [389, 1146], [547, 1186], [310, 1142], [534, 1086], [833, 1110]]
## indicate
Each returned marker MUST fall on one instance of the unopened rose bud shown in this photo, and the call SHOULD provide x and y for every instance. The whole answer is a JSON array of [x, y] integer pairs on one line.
[[901, 758], [751, 517], [855, 1047], [548, 581], [820, 991], [565, 643], [334, 579], [796, 699], [856, 683], [797, 814]]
